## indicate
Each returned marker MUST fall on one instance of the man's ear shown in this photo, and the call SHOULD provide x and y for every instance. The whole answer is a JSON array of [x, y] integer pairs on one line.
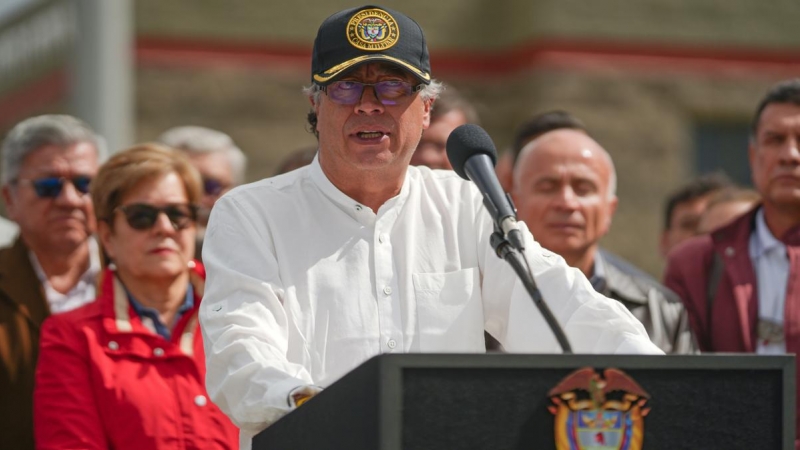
[[8, 199], [426, 118], [612, 208]]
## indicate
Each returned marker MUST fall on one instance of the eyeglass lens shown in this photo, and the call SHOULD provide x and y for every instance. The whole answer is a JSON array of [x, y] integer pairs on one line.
[[141, 216], [389, 92], [212, 186], [52, 186]]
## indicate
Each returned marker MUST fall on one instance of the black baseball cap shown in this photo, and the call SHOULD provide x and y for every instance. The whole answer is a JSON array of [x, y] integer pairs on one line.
[[365, 34]]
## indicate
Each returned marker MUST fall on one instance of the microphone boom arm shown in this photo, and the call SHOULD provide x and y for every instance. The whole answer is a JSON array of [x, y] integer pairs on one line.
[[506, 251]]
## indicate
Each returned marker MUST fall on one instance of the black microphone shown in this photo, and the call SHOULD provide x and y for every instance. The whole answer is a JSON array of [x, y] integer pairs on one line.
[[473, 155]]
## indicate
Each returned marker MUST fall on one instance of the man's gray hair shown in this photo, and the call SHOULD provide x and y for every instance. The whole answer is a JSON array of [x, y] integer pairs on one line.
[[41, 131], [194, 139]]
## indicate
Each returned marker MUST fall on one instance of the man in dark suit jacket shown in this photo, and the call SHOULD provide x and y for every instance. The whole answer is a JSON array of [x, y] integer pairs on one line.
[[741, 284], [47, 164], [564, 189]]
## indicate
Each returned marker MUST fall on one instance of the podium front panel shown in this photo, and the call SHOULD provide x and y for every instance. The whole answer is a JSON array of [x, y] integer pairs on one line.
[[499, 402], [507, 408]]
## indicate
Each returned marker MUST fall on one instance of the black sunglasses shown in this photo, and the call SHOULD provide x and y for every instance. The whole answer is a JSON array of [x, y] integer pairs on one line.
[[389, 92], [51, 187], [141, 216]]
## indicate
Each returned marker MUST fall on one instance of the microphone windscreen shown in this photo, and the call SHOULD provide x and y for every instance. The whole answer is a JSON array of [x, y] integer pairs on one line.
[[465, 142]]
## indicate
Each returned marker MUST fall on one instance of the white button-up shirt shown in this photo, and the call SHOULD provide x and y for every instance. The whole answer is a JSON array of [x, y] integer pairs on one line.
[[304, 284], [771, 263]]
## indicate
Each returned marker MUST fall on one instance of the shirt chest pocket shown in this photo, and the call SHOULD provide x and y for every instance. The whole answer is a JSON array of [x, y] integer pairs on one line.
[[450, 311]]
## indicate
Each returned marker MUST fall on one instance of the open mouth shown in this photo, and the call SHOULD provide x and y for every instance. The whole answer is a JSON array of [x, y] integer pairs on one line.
[[370, 134]]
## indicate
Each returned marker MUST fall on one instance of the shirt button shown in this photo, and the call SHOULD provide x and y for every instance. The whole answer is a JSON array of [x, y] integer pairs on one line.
[[382, 238], [200, 400], [391, 344], [387, 290], [158, 351], [113, 345], [729, 252]]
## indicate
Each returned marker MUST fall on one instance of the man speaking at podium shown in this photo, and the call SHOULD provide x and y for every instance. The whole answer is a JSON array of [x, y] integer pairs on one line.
[[313, 272]]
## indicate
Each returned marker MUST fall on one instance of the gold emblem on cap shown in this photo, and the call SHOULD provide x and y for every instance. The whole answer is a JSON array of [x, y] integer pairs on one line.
[[372, 30]]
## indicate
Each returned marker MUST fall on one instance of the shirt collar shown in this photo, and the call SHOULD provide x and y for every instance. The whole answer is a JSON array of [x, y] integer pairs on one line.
[[161, 328], [354, 209], [91, 271], [765, 241], [87, 280]]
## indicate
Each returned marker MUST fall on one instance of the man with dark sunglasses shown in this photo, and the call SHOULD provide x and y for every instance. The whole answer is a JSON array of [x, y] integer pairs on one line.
[[313, 272], [47, 167], [219, 160]]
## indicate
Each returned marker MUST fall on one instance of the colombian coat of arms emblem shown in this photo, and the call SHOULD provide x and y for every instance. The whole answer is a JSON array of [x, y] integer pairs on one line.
[[598, 412]]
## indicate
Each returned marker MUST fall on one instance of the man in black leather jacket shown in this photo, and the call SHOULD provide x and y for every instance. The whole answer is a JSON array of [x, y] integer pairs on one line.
[[564, 189]]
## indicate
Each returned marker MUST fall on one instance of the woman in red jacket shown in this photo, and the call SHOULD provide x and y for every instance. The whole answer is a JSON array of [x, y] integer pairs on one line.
[[127, 371]]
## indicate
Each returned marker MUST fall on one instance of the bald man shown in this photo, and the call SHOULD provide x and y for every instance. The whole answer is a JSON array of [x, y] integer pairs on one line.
[[565, 191]]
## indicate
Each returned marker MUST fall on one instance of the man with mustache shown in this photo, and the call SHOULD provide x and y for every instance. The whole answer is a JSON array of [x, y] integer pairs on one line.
[[48, 163], [739, 284], [564, 189], [402, 261]]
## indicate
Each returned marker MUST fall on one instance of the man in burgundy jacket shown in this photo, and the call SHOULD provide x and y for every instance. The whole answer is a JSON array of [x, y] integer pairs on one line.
[[741, 284]]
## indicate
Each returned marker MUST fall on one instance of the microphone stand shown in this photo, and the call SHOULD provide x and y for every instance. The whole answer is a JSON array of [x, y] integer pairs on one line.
[[505, 251]]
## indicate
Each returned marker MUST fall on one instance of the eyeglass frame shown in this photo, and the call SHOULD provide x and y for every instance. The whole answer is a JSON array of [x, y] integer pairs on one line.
[[62, 181], [415, 88], [192, 217]]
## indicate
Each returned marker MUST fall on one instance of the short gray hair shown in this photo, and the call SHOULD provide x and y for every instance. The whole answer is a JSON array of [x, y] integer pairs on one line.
[[36, 132], [194, 139]]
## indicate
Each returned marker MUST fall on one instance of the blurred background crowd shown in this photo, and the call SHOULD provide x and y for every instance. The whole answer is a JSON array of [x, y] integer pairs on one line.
[[654, 100], [666, 86]]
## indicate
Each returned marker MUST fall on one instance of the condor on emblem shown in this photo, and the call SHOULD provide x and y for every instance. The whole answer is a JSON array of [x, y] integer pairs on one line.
[[598, 413]]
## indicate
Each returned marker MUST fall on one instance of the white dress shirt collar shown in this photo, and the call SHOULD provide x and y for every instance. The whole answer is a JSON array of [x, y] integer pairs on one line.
[[361, 213], [771, 264], [764, 240], [82, 293]]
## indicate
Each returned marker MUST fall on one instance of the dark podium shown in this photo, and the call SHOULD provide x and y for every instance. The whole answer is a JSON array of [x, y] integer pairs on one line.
[[498, 401]]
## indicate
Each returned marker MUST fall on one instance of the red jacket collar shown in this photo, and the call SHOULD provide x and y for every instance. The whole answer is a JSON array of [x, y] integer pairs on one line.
[[119, 316]]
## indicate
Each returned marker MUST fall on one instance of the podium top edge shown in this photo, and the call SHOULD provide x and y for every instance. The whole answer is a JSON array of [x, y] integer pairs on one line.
[[716, 361]]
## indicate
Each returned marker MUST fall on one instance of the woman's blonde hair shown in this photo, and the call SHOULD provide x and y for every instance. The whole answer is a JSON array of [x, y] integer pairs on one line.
[[126, 169]]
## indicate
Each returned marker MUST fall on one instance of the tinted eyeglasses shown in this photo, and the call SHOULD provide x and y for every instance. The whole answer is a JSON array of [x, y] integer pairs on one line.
[[214, 187], [51, 187], [389, 92], [141, 216]]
